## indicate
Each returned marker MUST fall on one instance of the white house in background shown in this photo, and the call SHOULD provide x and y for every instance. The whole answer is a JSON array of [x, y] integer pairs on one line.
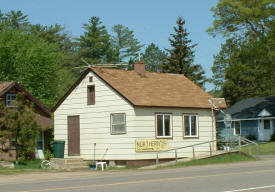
[[107, 110]]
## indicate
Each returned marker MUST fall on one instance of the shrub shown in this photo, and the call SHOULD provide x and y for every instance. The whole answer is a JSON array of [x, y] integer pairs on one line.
[[251, 137], [272, 137], [48, 154]]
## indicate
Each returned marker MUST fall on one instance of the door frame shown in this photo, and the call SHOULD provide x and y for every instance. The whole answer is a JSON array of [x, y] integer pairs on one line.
[[73, 154]]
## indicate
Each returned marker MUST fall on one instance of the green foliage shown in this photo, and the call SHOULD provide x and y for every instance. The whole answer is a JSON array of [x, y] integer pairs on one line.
[[272, 137], [20, 126], [32, 62], [95, 44], [242, 17], [154, 58], [245, 66], [181, 56], [251, 137], [124, 43], [48, 154], [13, 20], [36, 56]]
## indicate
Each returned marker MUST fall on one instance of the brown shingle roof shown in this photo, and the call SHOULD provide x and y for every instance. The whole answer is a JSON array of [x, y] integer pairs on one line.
[[155, 89], [4, 86]]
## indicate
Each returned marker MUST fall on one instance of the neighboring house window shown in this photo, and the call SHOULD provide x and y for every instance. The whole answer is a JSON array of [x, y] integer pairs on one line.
[[118, 123], [164, 125], [190, 125], [91, 95], [266, 124], [10, 99], [237, 127]]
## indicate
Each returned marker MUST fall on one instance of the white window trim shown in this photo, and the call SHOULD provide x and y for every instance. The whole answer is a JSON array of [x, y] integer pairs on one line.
[[163, 127], [10, 94], [197, 125], [111, 124], [235, 128]]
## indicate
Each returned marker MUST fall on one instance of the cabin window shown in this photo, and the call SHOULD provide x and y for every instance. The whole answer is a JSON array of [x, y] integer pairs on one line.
[[266, 124], [164, 125], [237, 127], [10, 100], [91, 79], [91, 95], [190, 125], [118, 123]]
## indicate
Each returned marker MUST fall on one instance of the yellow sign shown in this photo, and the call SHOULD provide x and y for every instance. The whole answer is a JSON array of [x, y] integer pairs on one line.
[[151, 145]]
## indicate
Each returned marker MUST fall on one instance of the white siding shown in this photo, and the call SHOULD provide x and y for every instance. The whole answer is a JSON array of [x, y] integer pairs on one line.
[[140, 124], [95, 121], [145, 129]]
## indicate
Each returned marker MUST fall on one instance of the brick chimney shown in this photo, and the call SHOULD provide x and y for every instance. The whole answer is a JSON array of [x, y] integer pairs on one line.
[[139, 67]]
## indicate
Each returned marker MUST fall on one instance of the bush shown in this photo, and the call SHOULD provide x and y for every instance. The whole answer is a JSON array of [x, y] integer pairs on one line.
[[48, 155], [251, 137], [272, 137]]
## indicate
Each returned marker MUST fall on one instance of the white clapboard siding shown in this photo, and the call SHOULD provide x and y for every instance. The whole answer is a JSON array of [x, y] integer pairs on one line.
[[145, 129], [95, 121], [140, 124]]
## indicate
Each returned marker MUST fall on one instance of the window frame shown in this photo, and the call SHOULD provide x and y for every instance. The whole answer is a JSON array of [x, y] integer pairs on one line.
[[7, 100], [111, 125], [197, 125], [269, 124], [89, 100], [239, 128], [171, 126]]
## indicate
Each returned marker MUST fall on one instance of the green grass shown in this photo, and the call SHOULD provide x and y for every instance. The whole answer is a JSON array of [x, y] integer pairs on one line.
[[221, 159], [26, 166], [264, 149]]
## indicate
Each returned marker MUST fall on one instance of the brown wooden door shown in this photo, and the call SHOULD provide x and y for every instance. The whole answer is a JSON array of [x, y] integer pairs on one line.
[[73, 135]]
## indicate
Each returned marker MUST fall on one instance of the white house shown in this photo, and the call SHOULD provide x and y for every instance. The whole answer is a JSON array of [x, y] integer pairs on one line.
[[107, 110]]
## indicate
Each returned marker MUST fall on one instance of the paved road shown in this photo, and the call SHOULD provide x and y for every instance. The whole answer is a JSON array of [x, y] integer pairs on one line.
[[253, 176]]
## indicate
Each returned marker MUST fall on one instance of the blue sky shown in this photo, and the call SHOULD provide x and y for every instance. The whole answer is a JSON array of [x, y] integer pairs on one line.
[[151, 20]]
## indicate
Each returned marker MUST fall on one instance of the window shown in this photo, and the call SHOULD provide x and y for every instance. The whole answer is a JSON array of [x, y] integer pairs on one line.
[[118, 123], [164, 125], [237, 127], [91, 79], [91, 95], [266, 124], [190, 125], [10, 99]]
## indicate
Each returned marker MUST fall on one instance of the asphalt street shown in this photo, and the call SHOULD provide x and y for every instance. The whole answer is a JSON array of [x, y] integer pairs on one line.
[[258, 176]]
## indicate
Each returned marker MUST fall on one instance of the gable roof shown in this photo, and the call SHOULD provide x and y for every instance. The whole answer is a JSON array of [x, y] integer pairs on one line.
[[250, 108], [6, 86], [153, 90]]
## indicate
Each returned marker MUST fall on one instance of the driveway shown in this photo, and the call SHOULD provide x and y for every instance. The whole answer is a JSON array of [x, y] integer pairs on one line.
[[256, 176]]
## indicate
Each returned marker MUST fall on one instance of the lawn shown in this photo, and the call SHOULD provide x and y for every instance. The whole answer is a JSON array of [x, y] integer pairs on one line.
[[264, 149], [27, 166], [221, 159]]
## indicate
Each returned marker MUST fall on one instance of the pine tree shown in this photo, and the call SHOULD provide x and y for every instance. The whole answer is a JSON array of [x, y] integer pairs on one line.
[[125, 44], [181, 58], [154, 58], [95, 44]]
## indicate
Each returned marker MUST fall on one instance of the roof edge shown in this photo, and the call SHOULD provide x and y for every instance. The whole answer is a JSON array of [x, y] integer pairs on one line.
[[32, 98], [78, 81]]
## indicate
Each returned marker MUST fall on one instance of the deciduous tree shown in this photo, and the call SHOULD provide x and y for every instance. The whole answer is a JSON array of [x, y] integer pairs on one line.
[[19, 128]]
